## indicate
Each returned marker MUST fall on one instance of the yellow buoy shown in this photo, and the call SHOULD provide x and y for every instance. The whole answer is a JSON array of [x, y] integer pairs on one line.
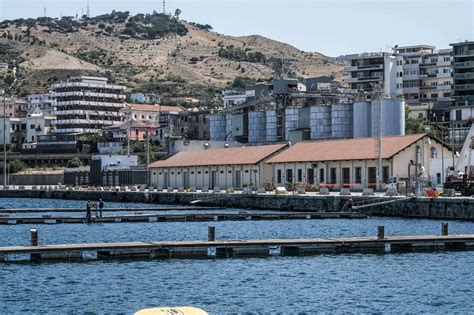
[[186, 310]]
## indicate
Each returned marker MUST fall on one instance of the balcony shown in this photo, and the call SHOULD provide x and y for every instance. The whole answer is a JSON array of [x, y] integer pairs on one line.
[[363, 67], [428, 87], [465, 64], [464, 76], [464, 87], [428, 63]]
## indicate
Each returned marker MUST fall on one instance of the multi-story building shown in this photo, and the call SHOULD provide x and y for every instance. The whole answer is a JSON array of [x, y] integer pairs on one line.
[[426, 78], [140, 98], [367, 69], [462, 111], [85, 105], [13, 107], [41, 103]]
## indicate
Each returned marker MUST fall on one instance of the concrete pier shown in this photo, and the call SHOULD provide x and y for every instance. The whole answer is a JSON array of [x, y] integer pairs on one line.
[[236, 248], [456, 208]]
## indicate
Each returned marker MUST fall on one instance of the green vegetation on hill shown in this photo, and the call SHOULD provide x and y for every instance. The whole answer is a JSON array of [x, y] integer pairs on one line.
[[235, 53], [140, 26]]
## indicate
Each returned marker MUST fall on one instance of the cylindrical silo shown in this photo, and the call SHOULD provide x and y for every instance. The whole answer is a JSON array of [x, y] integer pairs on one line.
[[271, 125], [341, 121], [228, 127], [393, 117], [257, 127], [217, 124], [362, 120], [291, 120], [320, 121]]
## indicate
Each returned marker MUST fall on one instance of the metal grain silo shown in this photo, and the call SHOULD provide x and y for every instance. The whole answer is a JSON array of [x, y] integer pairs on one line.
[[320, 121], [393, 117], [362, 120], [341, 121], [271, 125], [257, 127]]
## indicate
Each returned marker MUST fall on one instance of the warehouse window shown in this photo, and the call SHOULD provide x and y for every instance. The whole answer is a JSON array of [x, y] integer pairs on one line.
[[434, 153], [333, 175], [321, 175], [279, 176], [300, 175]]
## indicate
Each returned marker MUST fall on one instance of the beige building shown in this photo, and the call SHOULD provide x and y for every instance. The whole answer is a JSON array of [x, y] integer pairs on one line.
[[216, 168], [353, 162]]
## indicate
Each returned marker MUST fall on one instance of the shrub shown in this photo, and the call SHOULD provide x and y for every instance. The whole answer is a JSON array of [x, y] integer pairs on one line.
[[16, 166], [74, 162]]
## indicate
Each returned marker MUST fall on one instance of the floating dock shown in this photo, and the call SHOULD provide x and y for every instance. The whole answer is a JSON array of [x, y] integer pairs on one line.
[[236, 248], [188, 217]]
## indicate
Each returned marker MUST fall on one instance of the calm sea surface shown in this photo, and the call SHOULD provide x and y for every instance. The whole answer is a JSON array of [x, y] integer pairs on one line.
[[395, 283]]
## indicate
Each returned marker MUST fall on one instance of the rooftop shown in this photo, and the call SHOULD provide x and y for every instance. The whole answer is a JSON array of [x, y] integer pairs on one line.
[[156, 108], [344, 149], [228, 156]]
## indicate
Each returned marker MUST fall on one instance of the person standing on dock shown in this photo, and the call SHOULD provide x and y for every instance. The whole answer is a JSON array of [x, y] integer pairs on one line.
[[88, 212], [100, 206]]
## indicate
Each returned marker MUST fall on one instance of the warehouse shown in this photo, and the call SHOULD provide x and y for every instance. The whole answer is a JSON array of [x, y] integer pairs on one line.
[[216, 168], [353, 162]]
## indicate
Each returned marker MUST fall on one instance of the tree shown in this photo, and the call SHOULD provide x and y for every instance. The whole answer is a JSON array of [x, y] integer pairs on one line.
[[415, 125], [177, 13], [74, 162], [16, 166]]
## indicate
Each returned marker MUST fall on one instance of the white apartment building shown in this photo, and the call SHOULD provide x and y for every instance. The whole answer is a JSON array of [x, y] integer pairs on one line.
[[382, 68], [140, 98], [85, 105], [233, 97], [427, 78], [41, 104]]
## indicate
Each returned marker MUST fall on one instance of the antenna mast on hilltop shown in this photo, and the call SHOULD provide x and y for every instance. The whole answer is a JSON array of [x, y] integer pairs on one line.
[[88, 12], [164, 6], [44, 11]]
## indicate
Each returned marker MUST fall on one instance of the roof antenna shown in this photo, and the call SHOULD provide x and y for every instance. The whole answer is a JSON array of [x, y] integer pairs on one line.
[[88, 11], [44, 11]]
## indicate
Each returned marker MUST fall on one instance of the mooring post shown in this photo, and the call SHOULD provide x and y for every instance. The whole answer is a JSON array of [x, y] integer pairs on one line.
[[211, 233], [381, 232], [444, 228], [34, 236]]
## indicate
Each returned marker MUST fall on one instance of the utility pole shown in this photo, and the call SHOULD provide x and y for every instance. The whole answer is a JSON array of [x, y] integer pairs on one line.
[[129, 119], [377, 93], [4, 138], [147, 148]]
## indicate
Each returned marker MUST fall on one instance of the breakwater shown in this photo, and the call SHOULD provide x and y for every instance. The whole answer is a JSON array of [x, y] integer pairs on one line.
[[456, 208]]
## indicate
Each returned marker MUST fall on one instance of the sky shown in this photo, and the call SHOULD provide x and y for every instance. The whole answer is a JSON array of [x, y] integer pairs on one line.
[[332, 27]]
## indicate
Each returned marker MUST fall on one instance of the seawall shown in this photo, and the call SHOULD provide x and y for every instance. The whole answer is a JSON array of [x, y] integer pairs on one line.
[[440, 208]]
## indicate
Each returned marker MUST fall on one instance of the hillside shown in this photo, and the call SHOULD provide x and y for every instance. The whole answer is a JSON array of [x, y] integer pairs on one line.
[[154, 53]]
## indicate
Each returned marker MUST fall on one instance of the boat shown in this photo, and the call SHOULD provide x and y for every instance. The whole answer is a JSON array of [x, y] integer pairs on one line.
[[183, 310]]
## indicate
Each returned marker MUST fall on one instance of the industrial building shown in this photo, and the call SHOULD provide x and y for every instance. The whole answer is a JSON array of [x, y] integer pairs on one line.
[[108, 170], [289, 111], [85, 105], [215, 168], [353, 162]]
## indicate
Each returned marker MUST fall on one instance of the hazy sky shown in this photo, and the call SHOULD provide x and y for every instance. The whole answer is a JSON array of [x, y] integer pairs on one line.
[[332, 27]]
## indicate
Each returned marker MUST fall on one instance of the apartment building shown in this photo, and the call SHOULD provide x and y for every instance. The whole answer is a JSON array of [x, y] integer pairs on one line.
[[41, 104], [85, 105], [426, 78], [382, 68], [13, 107]]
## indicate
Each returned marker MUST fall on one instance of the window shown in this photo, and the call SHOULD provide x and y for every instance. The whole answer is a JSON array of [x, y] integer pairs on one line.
[[332, 175], [32, 126], [358, 175], [434, 153], [458, 114], [300, 175], [172, 173], [192, 172], [230, 172], [246, 171], [279, 176], [222, 172], [321, 175], [199, 172]]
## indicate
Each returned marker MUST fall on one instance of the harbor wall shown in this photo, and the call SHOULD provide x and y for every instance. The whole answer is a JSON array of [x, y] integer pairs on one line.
[[440, 208]]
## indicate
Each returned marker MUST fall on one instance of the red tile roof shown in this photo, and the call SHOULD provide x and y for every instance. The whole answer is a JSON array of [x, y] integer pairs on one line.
[[229, 156], [156, 108], [344, 149]]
